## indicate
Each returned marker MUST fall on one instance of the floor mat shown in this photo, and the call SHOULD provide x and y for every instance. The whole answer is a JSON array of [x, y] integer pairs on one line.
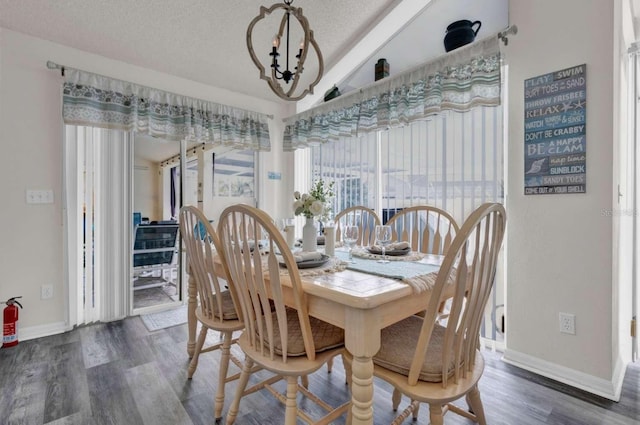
[[154, 296], [165, 319]]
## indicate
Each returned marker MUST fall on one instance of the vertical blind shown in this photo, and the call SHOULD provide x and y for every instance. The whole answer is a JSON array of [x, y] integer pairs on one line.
[[97, 222], [453, 161]]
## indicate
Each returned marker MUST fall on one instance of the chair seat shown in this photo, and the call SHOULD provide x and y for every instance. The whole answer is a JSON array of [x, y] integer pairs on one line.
[[228, 309], [325, 336], [396, 352], [294, 366], [429, 392]]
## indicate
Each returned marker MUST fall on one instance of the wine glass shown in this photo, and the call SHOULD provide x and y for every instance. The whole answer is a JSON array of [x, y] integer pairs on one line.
[[350, 237], [383, 238]]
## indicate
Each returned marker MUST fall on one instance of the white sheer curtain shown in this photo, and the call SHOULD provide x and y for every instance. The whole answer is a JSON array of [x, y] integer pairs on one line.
[[97, 223]]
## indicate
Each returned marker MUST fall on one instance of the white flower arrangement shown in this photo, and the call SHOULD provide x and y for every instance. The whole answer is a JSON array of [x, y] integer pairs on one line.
[[316, 203]]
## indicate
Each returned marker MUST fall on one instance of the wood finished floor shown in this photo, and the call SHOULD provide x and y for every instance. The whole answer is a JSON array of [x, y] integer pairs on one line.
[[120, 373]]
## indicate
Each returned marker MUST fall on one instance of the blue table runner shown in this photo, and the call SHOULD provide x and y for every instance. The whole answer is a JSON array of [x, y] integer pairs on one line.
[[402, 270]]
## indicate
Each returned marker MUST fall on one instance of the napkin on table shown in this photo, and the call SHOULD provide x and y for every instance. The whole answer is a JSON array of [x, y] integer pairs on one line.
[[307, 256], [399, 246]]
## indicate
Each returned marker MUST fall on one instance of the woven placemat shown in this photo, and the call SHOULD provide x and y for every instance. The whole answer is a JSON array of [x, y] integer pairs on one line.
[[411, 256]]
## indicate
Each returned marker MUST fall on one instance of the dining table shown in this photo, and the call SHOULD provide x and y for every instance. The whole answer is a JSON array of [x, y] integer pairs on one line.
[[362, 298]]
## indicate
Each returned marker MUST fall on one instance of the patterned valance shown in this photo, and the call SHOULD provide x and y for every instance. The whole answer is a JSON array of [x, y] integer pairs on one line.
[[97, 101], [462, 79]]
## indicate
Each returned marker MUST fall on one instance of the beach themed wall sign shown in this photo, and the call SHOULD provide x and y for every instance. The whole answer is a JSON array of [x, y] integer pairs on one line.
[[555, 151]]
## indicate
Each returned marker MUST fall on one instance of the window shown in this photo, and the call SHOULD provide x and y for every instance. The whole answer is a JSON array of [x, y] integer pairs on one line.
[[453, 161], [234, 174], [215, 177], [351, 164]]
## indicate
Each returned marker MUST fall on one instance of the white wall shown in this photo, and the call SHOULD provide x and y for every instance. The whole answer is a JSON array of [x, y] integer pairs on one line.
[[31, 140], [560, 246], [276, 195]]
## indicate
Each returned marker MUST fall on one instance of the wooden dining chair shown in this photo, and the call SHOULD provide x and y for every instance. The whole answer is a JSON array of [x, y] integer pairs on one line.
[[427, 229], [363, 217], [216, 305], [280, 336], [437, 363]]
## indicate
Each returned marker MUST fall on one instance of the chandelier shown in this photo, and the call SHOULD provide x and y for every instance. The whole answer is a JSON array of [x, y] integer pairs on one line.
[[283, 67]]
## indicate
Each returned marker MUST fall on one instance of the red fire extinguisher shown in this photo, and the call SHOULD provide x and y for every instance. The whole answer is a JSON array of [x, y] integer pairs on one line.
[[10, 323]]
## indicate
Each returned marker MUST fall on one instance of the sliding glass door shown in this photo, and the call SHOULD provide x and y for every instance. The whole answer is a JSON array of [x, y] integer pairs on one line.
[[168, 175], [122, 195], [156, 278]]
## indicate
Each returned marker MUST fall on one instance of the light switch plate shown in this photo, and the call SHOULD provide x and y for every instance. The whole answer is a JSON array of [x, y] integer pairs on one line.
[[39, 196]]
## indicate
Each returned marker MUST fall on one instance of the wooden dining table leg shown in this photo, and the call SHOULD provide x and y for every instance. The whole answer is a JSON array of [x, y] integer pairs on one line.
[[362, 340], [192, 303]]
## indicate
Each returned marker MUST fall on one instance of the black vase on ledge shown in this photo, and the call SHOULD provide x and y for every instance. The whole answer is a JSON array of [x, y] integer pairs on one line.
[[332, 93], [460, 33]]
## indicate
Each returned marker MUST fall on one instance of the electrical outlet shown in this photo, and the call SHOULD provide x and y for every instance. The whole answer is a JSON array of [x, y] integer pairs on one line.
[[46, 292], [567, 323]]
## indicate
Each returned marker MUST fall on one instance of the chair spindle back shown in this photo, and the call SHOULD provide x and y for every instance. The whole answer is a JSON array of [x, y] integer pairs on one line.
[[470, 266], [427, 229], [254, 267], [202, 245]]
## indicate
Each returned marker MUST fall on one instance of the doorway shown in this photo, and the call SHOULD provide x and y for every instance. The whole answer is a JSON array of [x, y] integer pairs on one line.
[[123, 193], [157, 195]]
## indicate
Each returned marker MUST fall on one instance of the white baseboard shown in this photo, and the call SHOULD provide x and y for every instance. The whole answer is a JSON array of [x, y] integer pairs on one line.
[[490, 344], [32, 332], [602, 387], [618, 377]]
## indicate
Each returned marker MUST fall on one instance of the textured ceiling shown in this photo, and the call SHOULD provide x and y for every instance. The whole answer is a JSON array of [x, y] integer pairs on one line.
[[201, 40], [205, 41]]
